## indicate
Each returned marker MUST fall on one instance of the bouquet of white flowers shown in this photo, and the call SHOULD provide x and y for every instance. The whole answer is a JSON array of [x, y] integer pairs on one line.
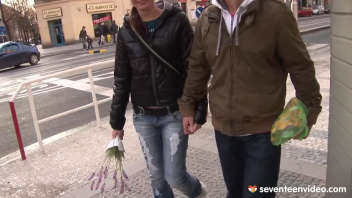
[[114, 155]]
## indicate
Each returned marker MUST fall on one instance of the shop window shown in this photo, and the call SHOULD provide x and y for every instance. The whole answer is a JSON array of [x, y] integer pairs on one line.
[[102, 23]]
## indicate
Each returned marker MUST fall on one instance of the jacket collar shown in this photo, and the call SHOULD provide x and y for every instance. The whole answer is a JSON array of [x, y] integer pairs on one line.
[[245, 4]]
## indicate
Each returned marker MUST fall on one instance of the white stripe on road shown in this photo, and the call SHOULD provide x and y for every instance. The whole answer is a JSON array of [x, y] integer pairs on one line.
[[313, 25], [75, 57], [105, 91], [316, 47]]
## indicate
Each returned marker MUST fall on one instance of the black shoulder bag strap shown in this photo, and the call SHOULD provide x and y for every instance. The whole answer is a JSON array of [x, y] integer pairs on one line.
[[154, 53]]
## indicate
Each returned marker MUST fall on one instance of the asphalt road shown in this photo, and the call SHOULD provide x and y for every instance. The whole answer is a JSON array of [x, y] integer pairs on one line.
[[53, 97], [318, 37], [50, 98]]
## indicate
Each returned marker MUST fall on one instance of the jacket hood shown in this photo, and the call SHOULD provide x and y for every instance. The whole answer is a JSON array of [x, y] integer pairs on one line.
[[222, 5], [224, 12], [219, 3]]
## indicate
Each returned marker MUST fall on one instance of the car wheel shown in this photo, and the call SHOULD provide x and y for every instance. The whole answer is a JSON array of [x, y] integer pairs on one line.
[[33, 59]]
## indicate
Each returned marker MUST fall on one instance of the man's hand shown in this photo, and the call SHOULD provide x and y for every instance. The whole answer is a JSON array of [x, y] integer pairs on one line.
[[190, 126], [117, 133]]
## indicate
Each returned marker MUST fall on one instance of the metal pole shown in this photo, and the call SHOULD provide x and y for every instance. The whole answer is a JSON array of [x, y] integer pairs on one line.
[[17, 129], [92, 87], [34, 116], [294, 8]]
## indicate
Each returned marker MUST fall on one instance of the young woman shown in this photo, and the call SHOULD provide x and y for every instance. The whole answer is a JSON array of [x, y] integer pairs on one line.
[[155, 87]]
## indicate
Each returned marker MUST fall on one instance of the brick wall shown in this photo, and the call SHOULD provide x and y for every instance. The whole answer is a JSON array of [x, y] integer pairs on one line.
[[339, 170]]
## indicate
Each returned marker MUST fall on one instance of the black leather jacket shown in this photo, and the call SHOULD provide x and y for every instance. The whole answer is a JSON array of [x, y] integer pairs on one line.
[[141, 74]]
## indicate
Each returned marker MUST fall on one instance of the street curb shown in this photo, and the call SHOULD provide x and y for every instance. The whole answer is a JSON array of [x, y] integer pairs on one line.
[[68, 51], [97, 51], [315, 29], [322, 16]]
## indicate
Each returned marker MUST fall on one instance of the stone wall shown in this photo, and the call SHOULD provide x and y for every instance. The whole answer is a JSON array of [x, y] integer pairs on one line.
[[339, 171]]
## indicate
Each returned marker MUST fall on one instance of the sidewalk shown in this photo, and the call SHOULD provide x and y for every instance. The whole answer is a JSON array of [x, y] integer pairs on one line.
[[78, 46], [66, 49], [73, 155]]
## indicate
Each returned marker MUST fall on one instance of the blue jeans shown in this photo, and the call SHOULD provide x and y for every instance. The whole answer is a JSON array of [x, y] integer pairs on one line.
[[248, 160], [165, 146]]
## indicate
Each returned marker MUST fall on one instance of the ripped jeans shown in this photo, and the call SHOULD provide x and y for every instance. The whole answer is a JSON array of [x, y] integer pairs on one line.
[[165, 146]]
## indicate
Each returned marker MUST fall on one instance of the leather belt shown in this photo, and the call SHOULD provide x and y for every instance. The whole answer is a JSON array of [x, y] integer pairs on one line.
[[156, 112]]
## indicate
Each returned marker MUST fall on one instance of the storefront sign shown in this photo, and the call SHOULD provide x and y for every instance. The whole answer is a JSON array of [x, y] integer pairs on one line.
[[51, 13], [107, 18], [100, 7]]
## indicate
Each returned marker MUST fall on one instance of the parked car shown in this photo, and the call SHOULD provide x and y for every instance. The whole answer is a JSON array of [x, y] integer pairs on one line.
[[15, 54], [305, 12], [321, 9], [317, 9], [327, 10]]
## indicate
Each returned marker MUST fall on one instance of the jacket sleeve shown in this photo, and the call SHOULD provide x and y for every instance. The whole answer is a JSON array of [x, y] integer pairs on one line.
[[185, 40], [195, 89], [297, 62], [122, 86]]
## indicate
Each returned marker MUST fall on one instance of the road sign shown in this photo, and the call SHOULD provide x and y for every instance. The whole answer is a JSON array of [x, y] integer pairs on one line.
[[199, 11]]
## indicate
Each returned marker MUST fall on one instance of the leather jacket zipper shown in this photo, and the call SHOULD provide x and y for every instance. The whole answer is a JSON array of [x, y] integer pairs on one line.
[[154, 82], [155, 89]]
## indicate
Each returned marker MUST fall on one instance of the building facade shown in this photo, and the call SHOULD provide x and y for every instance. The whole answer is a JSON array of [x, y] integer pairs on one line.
[[339, 169], [60, 21]]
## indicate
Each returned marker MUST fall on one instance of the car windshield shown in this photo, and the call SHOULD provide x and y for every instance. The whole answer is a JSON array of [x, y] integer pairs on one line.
[[2, 45]]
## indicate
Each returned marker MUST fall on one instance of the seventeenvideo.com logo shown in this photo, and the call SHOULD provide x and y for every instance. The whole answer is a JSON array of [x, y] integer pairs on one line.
[[252, 189]]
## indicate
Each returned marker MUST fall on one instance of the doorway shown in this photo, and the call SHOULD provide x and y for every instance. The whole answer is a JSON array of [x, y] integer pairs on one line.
[[56, 33]]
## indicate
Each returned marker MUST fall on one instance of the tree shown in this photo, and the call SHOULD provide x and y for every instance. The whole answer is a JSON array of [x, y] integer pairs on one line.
[[5, 20], [24, 18]]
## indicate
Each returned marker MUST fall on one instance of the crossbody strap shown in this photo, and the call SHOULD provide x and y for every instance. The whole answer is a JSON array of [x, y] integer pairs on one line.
[[154, 53]]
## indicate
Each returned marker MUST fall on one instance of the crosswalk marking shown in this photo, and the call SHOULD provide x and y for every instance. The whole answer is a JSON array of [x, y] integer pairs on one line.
[[75, 57], [83, 84], [105, 91], [316, 47]]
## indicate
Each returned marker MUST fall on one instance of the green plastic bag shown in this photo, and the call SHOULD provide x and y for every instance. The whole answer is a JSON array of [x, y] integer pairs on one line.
[[292, 122]]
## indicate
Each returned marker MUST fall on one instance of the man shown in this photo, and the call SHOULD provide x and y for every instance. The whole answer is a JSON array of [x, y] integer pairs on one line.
[[100, 33], [248, 47], [113, 30], [83, 37]]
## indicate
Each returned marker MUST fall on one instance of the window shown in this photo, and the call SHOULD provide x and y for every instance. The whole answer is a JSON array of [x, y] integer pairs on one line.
[[10, 49], [102, 23]]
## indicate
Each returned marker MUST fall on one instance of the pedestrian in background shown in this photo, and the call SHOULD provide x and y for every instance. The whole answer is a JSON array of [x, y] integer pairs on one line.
[[155, 87], [90, 42], [100, 33], [113, 30], [249, 54], [83, 36]]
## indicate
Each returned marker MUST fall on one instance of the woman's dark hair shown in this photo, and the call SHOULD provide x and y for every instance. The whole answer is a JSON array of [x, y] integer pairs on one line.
[[136, 21]]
